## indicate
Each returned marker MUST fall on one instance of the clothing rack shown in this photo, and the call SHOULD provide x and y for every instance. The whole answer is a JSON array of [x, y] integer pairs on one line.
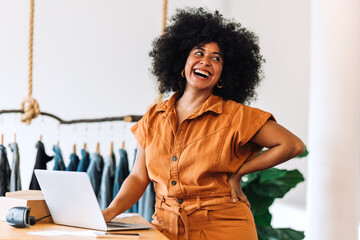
[[127, 118]]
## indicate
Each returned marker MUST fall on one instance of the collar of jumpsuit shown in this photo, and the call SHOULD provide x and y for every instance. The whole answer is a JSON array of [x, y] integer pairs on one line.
[[190, 164], [213, 104]]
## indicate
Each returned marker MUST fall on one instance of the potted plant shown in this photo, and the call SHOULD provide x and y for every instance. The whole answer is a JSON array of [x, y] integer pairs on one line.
[[261, 189]]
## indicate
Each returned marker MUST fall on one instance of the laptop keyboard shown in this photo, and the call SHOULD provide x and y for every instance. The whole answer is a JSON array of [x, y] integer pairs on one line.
[[119, 224]]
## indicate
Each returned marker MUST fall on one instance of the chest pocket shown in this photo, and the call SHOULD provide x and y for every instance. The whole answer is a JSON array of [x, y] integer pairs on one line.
[[202, 144]]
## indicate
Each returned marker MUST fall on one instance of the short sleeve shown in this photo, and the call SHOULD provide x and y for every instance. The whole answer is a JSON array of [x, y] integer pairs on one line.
[[139, 130], [248, 121]]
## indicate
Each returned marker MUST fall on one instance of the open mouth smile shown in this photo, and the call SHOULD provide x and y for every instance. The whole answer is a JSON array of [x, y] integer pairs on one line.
[[202, 73]]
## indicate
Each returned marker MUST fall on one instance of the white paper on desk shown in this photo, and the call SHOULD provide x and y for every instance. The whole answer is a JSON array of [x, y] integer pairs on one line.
[[126, 215], [59, 233]]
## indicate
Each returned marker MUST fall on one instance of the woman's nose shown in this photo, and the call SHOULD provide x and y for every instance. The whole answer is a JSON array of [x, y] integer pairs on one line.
[[204, 61]]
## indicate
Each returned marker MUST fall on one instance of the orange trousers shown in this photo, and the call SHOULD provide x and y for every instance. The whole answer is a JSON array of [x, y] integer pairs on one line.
[[204, 218]]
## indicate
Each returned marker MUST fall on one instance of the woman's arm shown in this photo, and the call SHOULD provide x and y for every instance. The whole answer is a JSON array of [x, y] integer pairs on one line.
[[132, 188], [282, 145]]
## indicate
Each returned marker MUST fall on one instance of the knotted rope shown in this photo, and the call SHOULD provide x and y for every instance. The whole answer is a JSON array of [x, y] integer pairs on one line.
[[29, 105]]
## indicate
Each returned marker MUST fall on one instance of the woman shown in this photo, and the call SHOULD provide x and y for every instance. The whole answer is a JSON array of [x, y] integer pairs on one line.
[[196, 146]]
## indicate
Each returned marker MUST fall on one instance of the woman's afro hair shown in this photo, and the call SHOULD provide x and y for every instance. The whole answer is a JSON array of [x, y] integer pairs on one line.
[[192, 27]]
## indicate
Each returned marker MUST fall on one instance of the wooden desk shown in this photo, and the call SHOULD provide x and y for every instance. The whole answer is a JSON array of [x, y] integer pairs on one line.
[[7, 232]]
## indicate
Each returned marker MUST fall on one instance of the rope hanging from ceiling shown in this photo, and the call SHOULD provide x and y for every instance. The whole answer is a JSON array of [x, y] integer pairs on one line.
[[30, 108], [164, 19], [29, 105]]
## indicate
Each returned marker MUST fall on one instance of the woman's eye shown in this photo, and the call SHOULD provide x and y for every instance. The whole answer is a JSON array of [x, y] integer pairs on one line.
[[199, 53], [218, 59]]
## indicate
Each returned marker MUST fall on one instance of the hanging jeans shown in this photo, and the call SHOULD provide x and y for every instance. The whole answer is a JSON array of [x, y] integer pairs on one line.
[[121, 172], [135, 207], [59, 161], [40, 163], [107, 182], [147, 203], [4, 172], [74, 162], [84, 162], [15, 180], [94, 172]]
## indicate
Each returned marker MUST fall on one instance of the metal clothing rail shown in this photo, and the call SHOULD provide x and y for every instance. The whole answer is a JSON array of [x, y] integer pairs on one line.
[[127, 118]]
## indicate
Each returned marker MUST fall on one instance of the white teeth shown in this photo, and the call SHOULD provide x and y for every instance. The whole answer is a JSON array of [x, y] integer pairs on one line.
[[202, 72]]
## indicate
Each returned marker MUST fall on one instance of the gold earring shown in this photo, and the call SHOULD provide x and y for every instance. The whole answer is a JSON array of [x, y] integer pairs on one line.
[[183, 73], [221, 83]]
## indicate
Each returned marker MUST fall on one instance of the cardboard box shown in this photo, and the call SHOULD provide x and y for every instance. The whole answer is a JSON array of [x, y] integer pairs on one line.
[[24, 194], [30, 198]]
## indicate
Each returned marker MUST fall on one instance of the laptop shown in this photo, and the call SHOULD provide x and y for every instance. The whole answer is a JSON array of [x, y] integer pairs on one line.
[[72, 201]]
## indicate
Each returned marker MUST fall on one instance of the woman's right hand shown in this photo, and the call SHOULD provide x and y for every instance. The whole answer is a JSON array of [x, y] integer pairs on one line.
[[107, 215], [131, 189]]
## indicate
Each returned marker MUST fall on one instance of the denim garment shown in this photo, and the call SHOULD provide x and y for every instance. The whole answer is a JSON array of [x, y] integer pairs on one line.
[[4, 172], [122, 171], [147, 203], [40, 163], [59, 161], [107, 182], [15, 180], [74, 162], [135, 207], [94, 171], [84, 162]]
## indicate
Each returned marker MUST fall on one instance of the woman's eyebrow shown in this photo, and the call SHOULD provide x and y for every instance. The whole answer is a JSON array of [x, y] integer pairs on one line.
[[200, 48], [218, 54]]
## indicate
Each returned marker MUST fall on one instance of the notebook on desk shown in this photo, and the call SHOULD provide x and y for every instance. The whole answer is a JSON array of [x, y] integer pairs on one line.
[[72, 201]]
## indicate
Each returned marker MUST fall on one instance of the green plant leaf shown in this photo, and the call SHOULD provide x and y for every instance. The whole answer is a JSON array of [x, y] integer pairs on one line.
[[271, 174], [266, 233], [259, 204], [273, 191], [276, 187], [263, 219], [261, 189], [249, 178], [269, 233], [288, 233], [291, 179]]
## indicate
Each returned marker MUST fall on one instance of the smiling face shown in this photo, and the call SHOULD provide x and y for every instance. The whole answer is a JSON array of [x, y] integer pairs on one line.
[[204, 66]]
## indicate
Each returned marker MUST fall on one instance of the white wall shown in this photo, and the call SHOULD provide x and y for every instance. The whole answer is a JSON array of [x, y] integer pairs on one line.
[[91, 60], [283, 28]]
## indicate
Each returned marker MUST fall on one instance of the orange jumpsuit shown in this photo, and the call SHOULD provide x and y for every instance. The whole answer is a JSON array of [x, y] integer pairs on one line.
[[191, 163]]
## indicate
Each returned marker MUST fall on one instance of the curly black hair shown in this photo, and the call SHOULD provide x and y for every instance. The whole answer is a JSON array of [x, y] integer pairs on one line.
[[192, 27]]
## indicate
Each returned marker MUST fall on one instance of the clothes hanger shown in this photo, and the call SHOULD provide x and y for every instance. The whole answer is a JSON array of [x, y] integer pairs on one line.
[[41, 138], [111, 148], [58, 135], [98, 148], [74, 149], [123, 145], [84, 146], [15, 137], [2, 139]]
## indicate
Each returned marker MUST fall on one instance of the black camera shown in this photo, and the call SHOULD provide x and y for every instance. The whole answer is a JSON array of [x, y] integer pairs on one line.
[[19, 217]]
